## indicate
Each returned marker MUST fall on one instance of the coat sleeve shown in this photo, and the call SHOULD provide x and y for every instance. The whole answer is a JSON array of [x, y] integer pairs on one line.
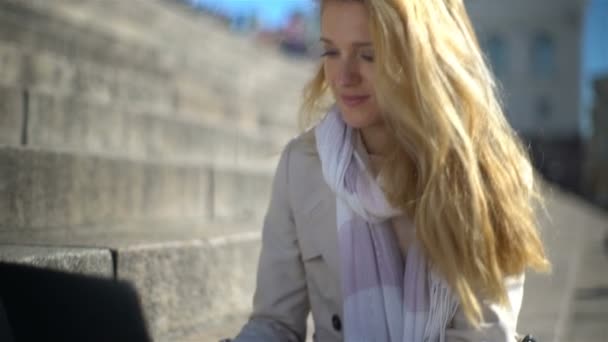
[[280, 303], [499, 323]]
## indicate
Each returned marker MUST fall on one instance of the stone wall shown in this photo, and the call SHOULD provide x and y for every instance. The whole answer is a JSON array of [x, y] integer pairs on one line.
[[137, 141]]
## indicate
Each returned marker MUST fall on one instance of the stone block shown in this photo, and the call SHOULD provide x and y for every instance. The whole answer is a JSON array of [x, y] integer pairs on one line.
[[37, 26], [188, 284], [10, 64], [50, 73], [240, 195], [98, 83], [198, 100], [124, 87], [51, 190], [87, 261], [71, 123], [11, 116]]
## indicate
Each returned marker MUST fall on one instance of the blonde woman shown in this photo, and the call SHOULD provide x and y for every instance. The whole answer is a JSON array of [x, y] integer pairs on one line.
[[405, 213]]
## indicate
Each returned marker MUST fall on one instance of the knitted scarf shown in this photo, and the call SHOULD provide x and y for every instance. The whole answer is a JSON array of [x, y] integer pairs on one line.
[[386, 298]]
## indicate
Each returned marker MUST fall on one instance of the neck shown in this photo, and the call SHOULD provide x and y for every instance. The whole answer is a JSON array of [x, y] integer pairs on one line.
[[375, 139]]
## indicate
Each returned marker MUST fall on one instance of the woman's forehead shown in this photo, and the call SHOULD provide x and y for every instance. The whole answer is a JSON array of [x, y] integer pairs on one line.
[[345, 22]]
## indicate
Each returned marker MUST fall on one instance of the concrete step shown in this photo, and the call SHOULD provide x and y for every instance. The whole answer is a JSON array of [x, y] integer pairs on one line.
[[53, 48], [88, 261], [188, 275], [67, 74], [33, 26], [56, 122], [48, 190], [155, 23]]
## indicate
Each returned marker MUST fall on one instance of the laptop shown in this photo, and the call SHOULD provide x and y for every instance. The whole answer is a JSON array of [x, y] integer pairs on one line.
[[45, 305]]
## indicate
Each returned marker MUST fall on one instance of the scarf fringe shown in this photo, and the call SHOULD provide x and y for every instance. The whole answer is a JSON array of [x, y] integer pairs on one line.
[[442, 309]]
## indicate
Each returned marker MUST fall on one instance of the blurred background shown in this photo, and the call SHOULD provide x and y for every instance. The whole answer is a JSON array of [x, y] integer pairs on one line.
[[138, 141]]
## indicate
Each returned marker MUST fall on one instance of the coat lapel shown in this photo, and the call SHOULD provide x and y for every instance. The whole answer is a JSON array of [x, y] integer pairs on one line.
[[315, 209], [324, 231]]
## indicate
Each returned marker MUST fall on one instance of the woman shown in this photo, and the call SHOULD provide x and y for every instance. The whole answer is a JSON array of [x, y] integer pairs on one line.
[[406, 212]]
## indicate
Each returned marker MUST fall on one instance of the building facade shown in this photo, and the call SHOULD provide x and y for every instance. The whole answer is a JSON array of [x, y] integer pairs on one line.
[[596, 166], [534, 48]]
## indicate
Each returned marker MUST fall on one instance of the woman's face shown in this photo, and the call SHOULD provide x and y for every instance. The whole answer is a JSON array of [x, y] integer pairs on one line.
[[348, 61]]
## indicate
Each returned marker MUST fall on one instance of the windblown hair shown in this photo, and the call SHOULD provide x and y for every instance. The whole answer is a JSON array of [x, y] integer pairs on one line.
[[457, 168]]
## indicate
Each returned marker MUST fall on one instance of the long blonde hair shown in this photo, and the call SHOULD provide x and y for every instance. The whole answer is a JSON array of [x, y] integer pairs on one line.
[[457, 168]]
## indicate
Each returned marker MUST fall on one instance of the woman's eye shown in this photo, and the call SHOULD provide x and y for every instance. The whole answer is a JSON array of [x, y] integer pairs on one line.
[[329, 53], [368, 57]]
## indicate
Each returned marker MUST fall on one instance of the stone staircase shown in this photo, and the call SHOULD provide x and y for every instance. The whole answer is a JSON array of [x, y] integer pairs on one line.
[[137, 142]]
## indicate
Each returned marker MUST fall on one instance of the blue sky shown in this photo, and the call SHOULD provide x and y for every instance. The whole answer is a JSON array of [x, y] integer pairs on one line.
[[595, 55], [596, 39], [272, 13]]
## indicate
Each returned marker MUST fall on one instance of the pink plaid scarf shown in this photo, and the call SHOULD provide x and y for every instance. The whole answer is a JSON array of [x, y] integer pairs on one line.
[[385, 297]]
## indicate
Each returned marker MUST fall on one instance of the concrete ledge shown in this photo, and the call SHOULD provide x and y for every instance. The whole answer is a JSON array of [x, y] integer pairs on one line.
[[188, 275], [87, 261], [187, 284], [51, 190]]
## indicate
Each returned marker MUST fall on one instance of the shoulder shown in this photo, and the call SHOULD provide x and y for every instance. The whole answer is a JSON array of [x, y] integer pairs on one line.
[[301, 155], [304, 145], [305, 180]]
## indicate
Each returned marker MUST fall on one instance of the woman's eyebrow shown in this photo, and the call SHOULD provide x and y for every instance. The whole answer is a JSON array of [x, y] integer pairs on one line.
[[357, 44]]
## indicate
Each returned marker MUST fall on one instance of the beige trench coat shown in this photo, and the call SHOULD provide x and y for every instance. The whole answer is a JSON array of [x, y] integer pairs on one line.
[[299, 270]]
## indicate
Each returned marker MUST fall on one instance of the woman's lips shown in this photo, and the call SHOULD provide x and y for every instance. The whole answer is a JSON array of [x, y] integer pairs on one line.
[[353, 101]]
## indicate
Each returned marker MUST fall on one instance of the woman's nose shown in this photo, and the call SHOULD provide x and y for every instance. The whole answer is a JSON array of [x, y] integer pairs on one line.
[[349, 74]]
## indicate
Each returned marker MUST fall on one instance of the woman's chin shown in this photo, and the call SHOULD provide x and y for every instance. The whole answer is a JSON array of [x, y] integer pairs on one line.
[[359, 118]]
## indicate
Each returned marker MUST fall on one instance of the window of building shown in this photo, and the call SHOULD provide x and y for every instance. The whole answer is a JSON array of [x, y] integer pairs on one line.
[[543, 55], [495, 47], [544, 109]]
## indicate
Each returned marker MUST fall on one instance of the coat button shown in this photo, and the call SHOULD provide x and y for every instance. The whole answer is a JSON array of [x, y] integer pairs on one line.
[[336, 322]]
